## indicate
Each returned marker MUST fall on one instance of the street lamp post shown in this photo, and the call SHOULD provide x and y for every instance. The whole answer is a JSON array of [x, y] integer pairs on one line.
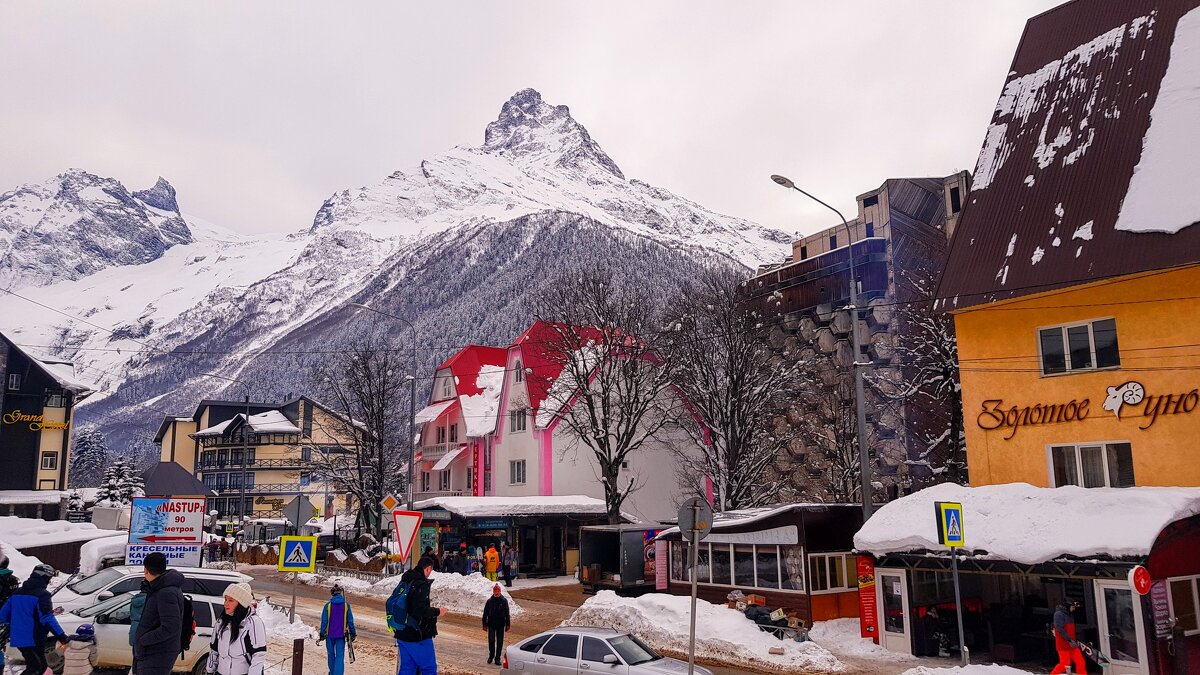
[[868, 505], [245, 454], [412, 395]]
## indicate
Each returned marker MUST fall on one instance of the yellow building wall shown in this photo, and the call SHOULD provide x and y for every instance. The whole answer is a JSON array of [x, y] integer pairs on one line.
[[51, 440], [998, 354], [185, 445]]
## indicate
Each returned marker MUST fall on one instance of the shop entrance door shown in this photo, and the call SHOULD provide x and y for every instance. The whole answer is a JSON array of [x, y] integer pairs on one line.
[[891, 588], [1122, 635]]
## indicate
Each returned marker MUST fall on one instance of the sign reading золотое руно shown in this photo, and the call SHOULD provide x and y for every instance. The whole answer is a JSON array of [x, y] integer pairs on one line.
[[994, 414]]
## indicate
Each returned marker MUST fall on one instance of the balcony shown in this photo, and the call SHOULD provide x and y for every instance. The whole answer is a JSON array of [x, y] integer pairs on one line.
[[432, 453], [282, 463]]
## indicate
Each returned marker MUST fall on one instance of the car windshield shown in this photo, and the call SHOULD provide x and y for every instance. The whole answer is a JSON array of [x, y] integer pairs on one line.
[[633, 650], [101, 607], [89, 585]]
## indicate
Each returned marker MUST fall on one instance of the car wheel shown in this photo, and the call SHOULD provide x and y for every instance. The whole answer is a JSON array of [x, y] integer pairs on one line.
[[201, 667]]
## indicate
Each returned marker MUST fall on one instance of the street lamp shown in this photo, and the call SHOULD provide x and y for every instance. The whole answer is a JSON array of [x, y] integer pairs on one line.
[[863, 460], [245, 452], [412, 394]]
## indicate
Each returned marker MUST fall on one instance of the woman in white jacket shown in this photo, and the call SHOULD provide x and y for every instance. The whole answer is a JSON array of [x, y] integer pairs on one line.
[[239, 645]]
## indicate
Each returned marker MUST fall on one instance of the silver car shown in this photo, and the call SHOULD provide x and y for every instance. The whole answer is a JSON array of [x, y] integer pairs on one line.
[[578, 650]]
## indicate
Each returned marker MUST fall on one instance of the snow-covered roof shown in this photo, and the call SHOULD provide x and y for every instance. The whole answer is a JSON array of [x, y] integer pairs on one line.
[[480, 410], [24, 533], [448, 458], [432, 411], [494, 507], [269, 422], [1026, 524], [59, 370], [739, 517], [44, 496]]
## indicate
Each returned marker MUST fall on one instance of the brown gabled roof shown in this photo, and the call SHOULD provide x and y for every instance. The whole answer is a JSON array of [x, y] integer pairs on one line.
[[1061, 151]]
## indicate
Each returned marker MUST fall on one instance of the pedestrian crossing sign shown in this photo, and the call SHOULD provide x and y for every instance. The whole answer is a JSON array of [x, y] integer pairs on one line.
[[297, 554], [949, 523]]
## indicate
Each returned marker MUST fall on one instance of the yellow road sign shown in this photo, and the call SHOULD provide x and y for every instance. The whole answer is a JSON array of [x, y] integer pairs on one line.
[[950, 524], [297, 554]]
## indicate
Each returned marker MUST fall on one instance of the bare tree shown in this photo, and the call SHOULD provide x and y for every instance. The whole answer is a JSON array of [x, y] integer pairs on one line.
[[733, 384], [611, 378], [365, 383]]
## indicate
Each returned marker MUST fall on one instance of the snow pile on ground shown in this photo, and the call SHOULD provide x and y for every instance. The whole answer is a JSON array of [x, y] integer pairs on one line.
[[24, 533], [1011, 521], [966, 670], [96, 551], [21, 565], [458, 594], [276, 621], [843, 637], [721, 633]]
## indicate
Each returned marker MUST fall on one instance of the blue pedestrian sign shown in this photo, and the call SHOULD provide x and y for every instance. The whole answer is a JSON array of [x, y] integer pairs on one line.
[[949, 523], [297, 554]]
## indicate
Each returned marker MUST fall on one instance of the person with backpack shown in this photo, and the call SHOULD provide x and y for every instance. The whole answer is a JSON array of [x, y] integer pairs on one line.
[[80, 654], [413, 621], [161, 630], [337, 627], [496, 623], [30, 613], [511, 564], [8, 585], [239, 644]]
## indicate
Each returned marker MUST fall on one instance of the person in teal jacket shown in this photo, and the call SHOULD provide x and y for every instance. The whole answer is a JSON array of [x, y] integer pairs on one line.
[[337, 626]]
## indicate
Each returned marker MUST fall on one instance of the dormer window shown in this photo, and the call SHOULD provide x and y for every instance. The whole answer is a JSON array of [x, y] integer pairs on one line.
[[518, 372], [447, 388]]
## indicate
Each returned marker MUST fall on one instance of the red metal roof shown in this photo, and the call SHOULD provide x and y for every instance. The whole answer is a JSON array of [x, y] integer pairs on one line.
[[1060, 153], [466, 363], [541, 356]]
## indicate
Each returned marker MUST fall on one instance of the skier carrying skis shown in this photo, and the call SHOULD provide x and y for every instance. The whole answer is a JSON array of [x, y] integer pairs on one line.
[[337, 629], [1064, 639]]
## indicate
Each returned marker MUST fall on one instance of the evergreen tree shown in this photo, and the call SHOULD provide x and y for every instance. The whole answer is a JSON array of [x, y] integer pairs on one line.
[[89, 455], [75, 501], [121, 484]]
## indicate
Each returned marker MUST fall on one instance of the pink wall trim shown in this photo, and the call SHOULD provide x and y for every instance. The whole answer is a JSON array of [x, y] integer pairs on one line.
[[546, 470]]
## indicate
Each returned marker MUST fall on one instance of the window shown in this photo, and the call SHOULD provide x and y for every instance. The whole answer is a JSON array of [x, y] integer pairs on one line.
[[447, 387], [870, 228], [516, 472], [49, 461], [210, 480], [306, 454], [804, 253], [14, 382], [54, 399], [223, 457], [1084, 346], [453, 433], [441, 435], [470, 478], [791, 568], [535, 644], [444, 480], [305, 478], [870, 201], [222, 481], [424, 481], [235, 480], [563, 645], [955, 200], [517, 420], [832, 241], [832, 572], [722, 570], [518, 372], [595, 650], [1185, 603], [1092, 465], [743, 565], [766, 567]]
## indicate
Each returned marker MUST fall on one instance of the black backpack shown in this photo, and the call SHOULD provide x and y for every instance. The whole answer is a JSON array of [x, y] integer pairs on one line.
[[187, 628]]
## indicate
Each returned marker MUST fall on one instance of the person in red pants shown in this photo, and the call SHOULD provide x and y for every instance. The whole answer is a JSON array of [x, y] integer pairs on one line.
[[1064, 639]]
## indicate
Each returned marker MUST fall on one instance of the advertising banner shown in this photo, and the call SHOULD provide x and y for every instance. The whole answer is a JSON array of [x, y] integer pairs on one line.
[[178, 555], [868, 616], [167, 520]]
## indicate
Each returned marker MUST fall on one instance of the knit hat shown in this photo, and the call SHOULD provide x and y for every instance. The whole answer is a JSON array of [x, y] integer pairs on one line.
[[240, 592], [496, 589], [337, 590], [43, 570]]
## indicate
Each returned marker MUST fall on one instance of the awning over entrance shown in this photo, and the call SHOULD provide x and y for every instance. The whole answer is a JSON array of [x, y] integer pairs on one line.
[[448, 458], [431, 412]]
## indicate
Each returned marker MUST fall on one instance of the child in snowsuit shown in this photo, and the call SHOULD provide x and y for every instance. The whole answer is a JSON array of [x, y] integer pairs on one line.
[[337, 626], [496, 623], [30, 614], [80, 654]]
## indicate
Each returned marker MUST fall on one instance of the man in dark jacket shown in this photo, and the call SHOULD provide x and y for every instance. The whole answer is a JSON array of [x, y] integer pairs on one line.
[[156, 644], [415, 643], [30, 614], [495, 622], [8, 585]]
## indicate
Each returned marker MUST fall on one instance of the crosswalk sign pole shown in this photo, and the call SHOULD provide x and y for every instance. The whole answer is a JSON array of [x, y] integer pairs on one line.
[[292, 613], [951, 535]]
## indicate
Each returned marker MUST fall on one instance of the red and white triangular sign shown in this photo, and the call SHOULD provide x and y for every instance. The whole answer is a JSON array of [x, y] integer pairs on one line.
[[408, 524]]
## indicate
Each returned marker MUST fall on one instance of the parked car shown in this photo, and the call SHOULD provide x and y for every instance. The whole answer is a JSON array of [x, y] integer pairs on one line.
[[572, 649], [114, 581], [111, 621]]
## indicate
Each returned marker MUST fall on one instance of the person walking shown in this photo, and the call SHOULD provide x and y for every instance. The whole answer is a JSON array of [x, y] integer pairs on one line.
[[1064, 639], [80, 653], [415, 641], [337, 626], [496, 623], [432, 556], [157, 640], [136, 605], [511, 564], [464, 560], [8, 585], [29, 614], [239, 643], [491, 563]]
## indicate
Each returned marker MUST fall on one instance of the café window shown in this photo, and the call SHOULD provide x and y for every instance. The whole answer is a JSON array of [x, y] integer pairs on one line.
[[517, 420], [832, 572], [1092, 465], [516, 472], [742, 565], [1082, 346], [49, 461], [1184, 596]]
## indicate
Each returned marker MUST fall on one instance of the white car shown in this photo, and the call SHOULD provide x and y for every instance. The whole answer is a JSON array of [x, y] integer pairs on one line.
[[114, 581], [576, 650], [111, 620]]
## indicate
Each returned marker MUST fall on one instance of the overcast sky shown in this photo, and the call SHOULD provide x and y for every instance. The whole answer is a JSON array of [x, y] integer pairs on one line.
[[257, 112]]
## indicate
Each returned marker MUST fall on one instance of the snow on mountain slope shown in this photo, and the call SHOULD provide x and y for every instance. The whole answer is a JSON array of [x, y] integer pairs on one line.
[[77, 223]]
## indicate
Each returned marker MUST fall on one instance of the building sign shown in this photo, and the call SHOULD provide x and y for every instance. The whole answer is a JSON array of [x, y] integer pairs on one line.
[[435, 514], [35, 422], [1122, 400], [275, 504], [489, 524], [429, 539], [868, 617], [167, 520], [1161, 609], [178, 555], [661, 582], [788, 535]]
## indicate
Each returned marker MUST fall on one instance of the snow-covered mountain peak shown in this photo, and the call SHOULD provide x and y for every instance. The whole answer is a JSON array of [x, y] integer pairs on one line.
[[161, 196], [528, 128]]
